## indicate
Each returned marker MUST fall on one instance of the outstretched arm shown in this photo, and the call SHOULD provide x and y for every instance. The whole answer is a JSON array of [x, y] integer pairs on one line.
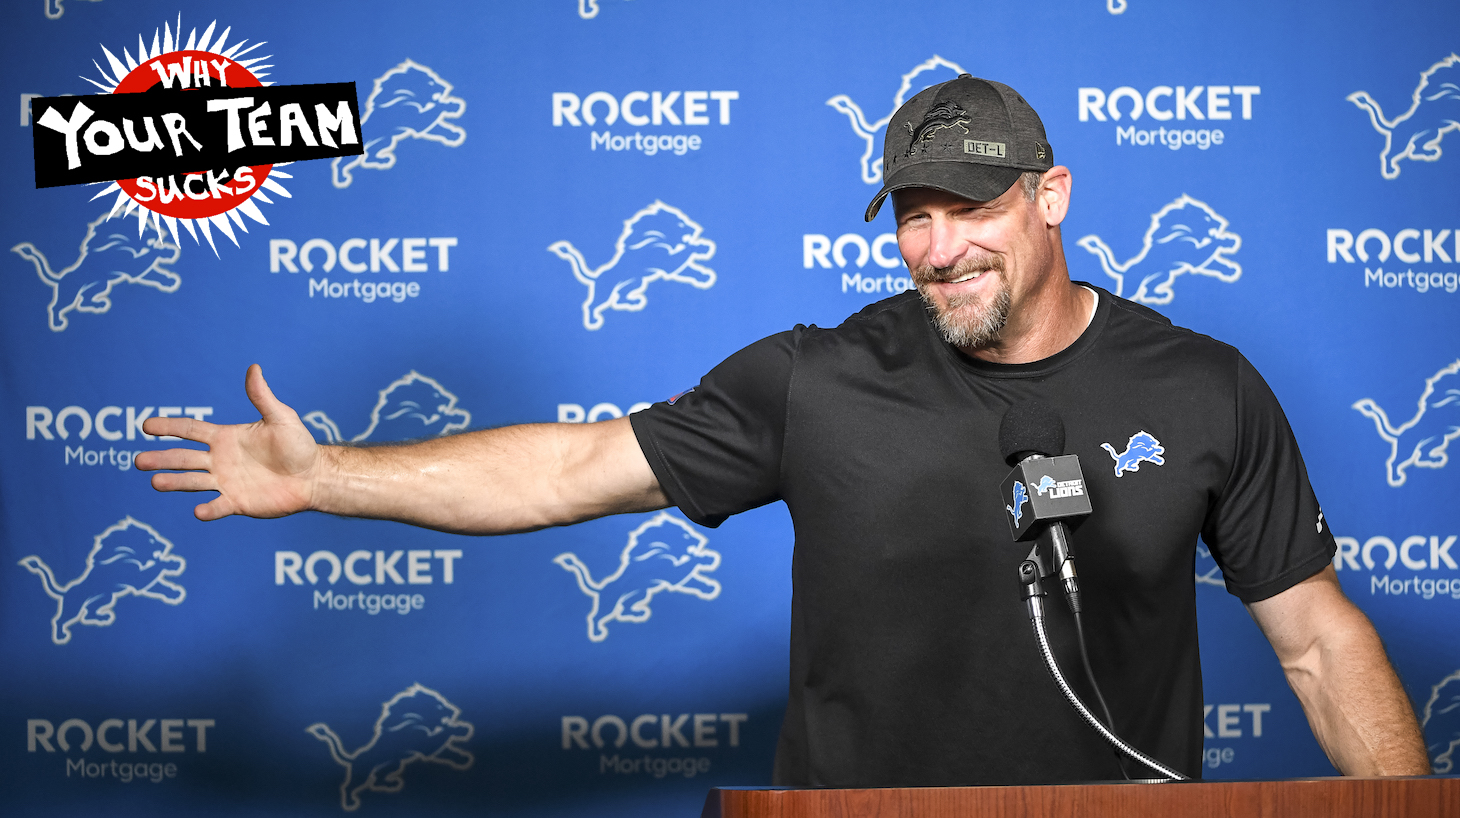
[[497, 481], [1335, 662]]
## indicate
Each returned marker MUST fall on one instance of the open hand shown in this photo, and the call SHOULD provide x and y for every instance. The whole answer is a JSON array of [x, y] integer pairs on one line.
[[262, 469]]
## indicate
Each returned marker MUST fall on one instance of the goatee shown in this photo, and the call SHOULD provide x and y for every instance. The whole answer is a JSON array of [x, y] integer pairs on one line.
[[966, 321]]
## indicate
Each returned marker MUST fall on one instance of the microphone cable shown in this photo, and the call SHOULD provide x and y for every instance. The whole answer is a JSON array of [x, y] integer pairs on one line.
[[1095, 686]]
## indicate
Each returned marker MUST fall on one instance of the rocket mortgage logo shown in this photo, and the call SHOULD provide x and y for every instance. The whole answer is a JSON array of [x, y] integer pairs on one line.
[[187, 132]]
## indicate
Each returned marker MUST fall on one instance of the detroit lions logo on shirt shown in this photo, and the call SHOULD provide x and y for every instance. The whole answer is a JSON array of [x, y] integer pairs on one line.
[[1021, 496], [1141, 447]]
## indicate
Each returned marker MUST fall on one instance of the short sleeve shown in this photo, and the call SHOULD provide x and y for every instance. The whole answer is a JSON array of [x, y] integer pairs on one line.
[[1266, 531], [716, 448]]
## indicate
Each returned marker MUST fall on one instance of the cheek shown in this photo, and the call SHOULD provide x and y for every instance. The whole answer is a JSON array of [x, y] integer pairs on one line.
[[913, 246]]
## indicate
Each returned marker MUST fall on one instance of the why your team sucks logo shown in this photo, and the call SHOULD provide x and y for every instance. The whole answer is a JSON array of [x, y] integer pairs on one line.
[[1434, 111], [412, 406], [658, 243], [1423, 439], [416, 724], [129, 558], [925, 74], [410, 101], [1185, 237], [1141, 448], [663, 554], [110, 256]]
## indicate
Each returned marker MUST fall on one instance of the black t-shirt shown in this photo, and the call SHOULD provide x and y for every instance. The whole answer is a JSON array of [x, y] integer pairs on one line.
[[912, 657]]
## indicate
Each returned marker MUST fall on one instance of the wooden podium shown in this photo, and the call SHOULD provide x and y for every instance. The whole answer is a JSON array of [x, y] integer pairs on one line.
[[1417, 797]]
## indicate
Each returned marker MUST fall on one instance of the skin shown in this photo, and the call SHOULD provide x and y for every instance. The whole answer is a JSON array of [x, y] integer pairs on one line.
[[523, 478]]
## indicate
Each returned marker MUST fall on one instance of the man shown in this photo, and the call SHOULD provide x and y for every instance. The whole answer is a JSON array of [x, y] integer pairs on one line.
[[911, 657]]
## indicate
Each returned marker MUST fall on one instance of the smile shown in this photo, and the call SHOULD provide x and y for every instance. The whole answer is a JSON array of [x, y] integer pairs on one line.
[[968, 277]]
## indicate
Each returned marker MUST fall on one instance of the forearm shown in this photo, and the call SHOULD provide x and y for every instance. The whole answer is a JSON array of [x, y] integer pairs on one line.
[[1355, 704], [496, 481]]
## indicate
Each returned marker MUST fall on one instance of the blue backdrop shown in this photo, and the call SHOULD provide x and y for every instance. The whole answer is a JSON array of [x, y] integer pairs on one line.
[[1273, 176]]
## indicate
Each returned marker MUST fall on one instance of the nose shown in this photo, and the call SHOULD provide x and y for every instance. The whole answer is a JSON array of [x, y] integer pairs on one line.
[[944, 246]]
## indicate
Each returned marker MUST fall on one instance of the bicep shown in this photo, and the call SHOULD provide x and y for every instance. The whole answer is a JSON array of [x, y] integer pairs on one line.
[[604, 471]]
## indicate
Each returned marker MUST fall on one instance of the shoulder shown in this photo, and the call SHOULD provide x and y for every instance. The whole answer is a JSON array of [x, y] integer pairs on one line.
[[892, 327], [1149, 339]]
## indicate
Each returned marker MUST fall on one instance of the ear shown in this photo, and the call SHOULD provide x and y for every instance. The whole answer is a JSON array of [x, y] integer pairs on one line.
[[1053, 200]]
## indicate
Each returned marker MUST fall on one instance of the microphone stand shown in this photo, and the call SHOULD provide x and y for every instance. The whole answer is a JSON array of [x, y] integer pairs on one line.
[[1030, 574]]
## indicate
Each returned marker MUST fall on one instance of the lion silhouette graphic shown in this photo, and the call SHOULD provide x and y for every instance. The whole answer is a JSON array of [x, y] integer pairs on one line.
[[416, 724], [105, 261], [127, 559], [1185, 236], [663, 554], [410, 101], [931, 72], [412, 406], [1142, 447], [1434, 111], [659, 243], [55, 9], [1440, 721], [1207, 571], [1421, 440]]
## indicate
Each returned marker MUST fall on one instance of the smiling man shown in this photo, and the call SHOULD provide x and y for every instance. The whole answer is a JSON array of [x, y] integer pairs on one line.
[[911, 657]]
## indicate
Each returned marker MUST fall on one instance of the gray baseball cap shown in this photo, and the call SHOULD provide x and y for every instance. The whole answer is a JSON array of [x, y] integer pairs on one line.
[[967, 136]]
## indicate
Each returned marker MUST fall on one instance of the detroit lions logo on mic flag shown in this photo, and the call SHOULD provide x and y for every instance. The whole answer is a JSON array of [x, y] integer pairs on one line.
[[1021, 496]]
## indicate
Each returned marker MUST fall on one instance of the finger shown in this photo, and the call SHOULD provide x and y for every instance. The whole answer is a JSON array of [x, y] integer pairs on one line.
[[185, 481], [185, 428], [271, 409], [180, 459], [215, 509]]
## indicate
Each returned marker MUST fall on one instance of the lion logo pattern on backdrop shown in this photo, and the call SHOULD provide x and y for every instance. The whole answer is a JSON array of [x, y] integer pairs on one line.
[[1440, 721], [1423, 439], [1185, 237], [55, 9], [931, 72], [416, 724], [109, 256], [412, 406], [663, 554], [658, 243], [1434, 111], [410, 101], [129, 558]]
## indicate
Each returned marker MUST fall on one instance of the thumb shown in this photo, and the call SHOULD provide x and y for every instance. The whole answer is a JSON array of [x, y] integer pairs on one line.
[[271, 409]]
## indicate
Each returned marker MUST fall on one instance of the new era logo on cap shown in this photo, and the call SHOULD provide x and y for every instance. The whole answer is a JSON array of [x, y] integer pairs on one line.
[[968, 136]]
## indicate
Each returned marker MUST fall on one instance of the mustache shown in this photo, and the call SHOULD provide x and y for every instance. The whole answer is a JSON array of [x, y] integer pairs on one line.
[[928, 274]]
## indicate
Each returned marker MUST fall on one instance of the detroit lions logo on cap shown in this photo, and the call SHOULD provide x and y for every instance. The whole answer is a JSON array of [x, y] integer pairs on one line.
[[1141, 448], [942, 116]]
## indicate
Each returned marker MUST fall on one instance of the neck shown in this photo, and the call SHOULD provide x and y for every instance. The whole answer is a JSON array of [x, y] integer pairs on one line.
[[1041, 323]]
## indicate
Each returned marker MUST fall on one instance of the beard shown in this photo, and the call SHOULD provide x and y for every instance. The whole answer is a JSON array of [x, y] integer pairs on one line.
[[966, 321]]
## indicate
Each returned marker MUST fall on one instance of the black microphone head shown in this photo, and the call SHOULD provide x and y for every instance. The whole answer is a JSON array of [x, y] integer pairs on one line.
[[1031, 427]]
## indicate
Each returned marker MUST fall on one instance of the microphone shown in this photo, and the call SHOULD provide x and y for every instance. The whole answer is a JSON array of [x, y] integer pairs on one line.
[[1045, 489]]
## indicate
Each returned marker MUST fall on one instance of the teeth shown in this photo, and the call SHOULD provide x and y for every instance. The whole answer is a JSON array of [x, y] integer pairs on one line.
[[968, 277]]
